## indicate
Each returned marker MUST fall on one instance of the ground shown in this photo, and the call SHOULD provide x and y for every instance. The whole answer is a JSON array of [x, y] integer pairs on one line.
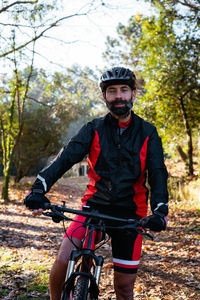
[[170, 265]]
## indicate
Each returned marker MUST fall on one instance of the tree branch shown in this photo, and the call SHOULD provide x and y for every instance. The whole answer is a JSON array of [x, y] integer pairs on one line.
[[189, 4], [37, 101], [18, 25], [15, 3], [29, 78], [188, 91], [41, 34]]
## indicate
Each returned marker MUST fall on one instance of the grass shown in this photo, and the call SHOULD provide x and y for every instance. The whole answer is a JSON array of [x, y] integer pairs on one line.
[[185, 193], [28, 279]]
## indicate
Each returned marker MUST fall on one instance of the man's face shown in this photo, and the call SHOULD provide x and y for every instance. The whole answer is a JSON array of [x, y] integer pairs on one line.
[[119, 99]]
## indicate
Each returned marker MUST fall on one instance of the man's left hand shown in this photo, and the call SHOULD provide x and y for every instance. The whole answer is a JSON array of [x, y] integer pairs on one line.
[[155, 222]]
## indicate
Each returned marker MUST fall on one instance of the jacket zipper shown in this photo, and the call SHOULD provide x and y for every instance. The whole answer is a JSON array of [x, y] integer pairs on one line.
[[118, 138]]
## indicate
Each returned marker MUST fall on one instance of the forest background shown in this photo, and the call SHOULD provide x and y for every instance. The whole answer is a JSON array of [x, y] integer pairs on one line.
[[40, 110]]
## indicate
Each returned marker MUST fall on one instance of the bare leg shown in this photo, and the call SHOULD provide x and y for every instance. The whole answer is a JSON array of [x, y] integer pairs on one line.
[[124, 284], [59, 268]]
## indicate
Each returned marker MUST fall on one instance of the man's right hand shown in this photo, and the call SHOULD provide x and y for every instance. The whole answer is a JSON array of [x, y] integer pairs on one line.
[[35, 200]]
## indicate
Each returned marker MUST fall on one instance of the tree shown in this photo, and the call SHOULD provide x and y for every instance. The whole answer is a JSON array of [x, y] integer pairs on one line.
[[12, 117], [23, 24], [63, 98], [40, 139], [180, 6], [56, 101], [167, 57]]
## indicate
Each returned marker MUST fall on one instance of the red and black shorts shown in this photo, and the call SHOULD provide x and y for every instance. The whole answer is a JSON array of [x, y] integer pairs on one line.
[[126, 246]]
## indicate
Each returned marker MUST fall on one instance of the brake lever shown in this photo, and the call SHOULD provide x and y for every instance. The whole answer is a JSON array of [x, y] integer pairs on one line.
[[145, 233], [56, 213], [150, 236], [48, 214], [140, 231]]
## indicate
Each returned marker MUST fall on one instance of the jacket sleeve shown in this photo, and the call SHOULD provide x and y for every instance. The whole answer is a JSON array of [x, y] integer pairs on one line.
[[157, 175], [71, 154]]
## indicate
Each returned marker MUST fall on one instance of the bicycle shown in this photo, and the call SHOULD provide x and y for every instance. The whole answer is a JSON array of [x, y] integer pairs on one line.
[[84, 267]]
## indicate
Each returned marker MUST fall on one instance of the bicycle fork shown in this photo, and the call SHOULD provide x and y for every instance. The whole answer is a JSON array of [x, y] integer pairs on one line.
[[87, 254], [76, 254]]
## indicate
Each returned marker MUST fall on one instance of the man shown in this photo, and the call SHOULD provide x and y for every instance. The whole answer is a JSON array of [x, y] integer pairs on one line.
[[122, 149]]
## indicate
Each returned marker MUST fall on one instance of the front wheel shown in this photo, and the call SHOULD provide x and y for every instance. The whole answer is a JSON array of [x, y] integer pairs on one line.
[[67, 295], [80, 292], [81, 289]]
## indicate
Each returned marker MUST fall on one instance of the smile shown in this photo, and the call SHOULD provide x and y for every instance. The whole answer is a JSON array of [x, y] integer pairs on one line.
[[119, 105]]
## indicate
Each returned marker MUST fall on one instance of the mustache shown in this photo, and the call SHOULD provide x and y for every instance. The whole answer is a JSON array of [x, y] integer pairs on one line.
[[119, 101]]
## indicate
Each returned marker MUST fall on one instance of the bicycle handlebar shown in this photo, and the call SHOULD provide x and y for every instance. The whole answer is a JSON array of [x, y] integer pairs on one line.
[[93, 214], [58, 210]]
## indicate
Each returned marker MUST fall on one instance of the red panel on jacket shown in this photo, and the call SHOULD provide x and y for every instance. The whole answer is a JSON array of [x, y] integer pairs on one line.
[[92, 159], [140, 190]]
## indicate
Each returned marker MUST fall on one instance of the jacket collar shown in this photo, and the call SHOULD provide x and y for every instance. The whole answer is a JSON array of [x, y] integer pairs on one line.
[[115, 122]]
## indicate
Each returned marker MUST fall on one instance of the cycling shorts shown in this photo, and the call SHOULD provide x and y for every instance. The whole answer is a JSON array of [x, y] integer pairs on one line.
[[126, 246]]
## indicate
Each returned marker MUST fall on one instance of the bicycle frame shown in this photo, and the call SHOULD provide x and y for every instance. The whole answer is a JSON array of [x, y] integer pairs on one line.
[[88, 271], [88, 258]]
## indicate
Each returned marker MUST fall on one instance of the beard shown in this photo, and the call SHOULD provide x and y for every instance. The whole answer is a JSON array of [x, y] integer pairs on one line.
[[123, 111]]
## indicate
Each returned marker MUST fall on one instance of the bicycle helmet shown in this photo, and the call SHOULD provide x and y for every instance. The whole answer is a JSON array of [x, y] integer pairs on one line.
[[117, 75]]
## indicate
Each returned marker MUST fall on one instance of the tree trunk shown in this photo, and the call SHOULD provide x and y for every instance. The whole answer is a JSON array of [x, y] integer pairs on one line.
[[198, 155], [190, 156], [182, 154], [19, 176], [189, 136], [6, 180]]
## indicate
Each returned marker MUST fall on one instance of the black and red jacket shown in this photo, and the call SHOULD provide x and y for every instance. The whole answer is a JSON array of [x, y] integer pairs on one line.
[[119, 162]]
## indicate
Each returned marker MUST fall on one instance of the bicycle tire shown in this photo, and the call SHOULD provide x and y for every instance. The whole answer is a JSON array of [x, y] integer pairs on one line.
[[80, 292], [67, 295], [81, 289]]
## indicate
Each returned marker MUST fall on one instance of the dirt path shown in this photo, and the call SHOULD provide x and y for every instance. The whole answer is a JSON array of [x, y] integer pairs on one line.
[[170, 265]]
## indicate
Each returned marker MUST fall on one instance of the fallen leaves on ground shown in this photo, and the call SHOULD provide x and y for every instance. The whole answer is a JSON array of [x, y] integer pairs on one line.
[[170, 265]]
